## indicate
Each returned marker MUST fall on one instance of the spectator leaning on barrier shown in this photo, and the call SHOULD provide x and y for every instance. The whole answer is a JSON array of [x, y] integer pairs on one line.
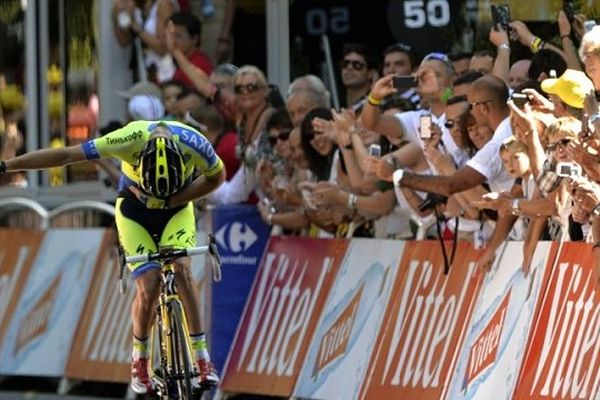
[[147, 211], [487, 100]]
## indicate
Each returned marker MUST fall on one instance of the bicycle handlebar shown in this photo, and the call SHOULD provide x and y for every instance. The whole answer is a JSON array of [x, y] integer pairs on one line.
[[169, 254]]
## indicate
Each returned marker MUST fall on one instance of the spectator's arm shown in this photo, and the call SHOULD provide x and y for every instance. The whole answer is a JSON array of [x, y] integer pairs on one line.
[[499, 38], [157, 42], [535, 229], [123, 35], [570, 52], [463, 179], [521, 33], [371, 117], [503, 226]]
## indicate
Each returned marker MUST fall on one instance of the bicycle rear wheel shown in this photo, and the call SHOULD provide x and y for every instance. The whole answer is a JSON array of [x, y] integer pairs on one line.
[[181, 352]]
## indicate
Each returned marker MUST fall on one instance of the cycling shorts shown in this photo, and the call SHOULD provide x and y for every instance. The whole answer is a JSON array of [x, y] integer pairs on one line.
[[142, 230]]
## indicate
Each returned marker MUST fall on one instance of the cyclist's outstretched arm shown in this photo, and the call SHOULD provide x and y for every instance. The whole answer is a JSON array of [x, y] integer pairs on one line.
[[200, 187], [46, 158]]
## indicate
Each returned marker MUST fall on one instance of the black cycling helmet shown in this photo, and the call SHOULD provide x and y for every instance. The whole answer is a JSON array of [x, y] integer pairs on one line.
[[162, 169]]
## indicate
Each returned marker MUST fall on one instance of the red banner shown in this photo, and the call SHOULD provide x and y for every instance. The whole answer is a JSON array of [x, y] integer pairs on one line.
[[563, 355], [18, 249], [281, 314], [424, 324]]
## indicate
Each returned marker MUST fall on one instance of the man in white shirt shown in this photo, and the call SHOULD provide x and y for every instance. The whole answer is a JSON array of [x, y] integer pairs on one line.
[[487, 98]]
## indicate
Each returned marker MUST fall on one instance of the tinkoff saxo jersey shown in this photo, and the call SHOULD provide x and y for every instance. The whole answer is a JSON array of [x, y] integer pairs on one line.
[[126, 145]]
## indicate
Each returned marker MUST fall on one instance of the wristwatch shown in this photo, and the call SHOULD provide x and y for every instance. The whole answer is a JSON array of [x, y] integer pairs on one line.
[[397, 176], [515, 209]]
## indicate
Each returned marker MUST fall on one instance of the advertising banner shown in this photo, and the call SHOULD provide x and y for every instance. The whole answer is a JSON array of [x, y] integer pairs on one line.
[[562, 358], [241, 238], [341, 348], [497, 336], [280, 317], [39, 338], [102, 347], [18, 249], [424, 324]]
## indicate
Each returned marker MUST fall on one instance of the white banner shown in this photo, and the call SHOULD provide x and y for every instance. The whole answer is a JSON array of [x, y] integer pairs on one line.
[[38, 340], [341, 347], [497, 336]]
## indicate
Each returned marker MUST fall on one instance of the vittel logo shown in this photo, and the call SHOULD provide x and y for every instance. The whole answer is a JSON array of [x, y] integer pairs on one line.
[[236, 237]]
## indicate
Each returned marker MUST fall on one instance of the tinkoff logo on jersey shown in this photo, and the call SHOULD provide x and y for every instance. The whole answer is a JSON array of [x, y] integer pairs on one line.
[[132, 137]]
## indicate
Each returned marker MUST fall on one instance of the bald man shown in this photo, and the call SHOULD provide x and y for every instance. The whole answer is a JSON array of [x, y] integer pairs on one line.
[[518, 73], [487, 98]]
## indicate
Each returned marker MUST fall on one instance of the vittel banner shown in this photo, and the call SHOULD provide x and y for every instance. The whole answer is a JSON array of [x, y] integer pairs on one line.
[[563, 353], [281, 315], [497, 337], [341, 348], [424, 324]]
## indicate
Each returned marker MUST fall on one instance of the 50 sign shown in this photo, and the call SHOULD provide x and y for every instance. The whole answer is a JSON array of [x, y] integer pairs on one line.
[[419, 13], [335, 20]]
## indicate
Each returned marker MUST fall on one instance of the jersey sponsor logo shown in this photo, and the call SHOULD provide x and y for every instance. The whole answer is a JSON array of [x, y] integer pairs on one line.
[[197, 142], [132, 137], [90, 150]]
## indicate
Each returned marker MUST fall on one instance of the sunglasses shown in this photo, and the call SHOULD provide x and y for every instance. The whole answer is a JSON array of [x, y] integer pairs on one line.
[[283, 136], [357, 65], [562, 142], [247, 88]]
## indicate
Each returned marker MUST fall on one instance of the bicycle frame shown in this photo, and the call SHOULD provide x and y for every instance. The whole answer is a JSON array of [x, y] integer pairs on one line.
[[171, 372], [174, 343]]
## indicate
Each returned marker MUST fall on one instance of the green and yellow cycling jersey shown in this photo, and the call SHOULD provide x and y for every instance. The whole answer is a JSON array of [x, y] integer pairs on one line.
[[126, 145]]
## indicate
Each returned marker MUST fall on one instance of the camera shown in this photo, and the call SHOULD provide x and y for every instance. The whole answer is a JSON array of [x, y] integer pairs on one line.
[[501, 15], [519, 99], [431, 201], [588, 25], [375, 150], [404, 82], [568, 170], [425, 126], [569, 9]]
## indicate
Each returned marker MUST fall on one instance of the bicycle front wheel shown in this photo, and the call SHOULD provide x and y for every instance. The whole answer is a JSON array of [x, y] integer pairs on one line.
[[181, 352]]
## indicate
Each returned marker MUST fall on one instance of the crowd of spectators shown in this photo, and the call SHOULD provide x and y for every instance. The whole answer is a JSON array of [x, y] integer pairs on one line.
[[482, 147]]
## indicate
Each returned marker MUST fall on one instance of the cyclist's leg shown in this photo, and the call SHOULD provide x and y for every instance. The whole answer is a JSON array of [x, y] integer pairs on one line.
[[135, 239], [180, 232]]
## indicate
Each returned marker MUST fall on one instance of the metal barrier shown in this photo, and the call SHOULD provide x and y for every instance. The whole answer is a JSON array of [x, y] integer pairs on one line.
[[22, 212]]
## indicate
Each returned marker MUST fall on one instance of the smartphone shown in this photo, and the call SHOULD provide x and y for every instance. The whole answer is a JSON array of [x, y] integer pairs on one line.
[[568, 170], [375, 150], [425, 126], [519, 99], [501, 15], [404, 82], [569, 9], [588, 25]]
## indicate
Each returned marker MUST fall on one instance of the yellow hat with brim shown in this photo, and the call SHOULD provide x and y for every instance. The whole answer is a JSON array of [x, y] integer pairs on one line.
[[571, 87]]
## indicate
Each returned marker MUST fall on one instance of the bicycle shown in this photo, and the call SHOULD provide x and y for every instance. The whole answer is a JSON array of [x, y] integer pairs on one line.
[[172, 379]]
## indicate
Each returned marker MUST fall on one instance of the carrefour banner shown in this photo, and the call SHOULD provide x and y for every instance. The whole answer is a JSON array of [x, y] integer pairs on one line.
[[341, 347], [497, 337], [241, 238], [281, 315], [38, 340]]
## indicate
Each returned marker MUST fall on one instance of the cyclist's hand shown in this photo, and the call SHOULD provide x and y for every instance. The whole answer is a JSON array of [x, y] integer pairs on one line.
[[148, 201]]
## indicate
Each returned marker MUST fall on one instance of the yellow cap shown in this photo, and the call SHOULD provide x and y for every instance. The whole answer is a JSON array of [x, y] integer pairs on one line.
[[571, 87]]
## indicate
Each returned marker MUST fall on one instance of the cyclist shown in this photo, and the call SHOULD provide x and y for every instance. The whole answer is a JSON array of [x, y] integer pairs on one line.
[[164, 165]]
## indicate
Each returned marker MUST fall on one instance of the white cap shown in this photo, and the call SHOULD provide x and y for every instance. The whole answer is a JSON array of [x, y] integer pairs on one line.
[[145, 107]]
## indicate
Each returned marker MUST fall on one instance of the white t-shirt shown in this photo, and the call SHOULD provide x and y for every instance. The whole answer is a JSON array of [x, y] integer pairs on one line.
[[487, 160], [411, 121]]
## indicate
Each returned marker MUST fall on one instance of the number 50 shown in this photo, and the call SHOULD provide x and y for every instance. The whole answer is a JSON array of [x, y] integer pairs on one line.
[[417, 15]]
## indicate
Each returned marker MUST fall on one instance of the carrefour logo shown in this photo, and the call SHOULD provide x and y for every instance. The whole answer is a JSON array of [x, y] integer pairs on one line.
[[236, 237]]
